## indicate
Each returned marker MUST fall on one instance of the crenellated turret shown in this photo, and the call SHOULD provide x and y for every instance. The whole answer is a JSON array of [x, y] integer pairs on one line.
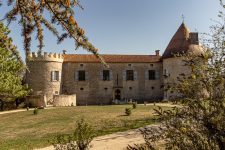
[[45, 57], [44, 74]]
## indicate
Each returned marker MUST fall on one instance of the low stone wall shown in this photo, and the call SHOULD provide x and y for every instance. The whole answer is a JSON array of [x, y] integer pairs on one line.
[[64, 100], [36, 101]]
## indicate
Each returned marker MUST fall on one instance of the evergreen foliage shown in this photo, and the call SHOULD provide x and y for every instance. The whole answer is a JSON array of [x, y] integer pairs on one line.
[[32, 17], [11, 69]]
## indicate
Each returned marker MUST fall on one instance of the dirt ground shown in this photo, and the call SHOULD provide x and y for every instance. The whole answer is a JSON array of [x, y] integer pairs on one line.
[[115, 141]]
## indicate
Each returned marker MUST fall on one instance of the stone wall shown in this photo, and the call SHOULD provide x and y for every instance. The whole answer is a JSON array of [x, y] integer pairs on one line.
[[96, 91], [64, 100], [172, 68], [38, 76], [36, 101]]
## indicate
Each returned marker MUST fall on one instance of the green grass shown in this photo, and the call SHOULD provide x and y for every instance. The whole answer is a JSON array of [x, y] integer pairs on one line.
[[23, 130]]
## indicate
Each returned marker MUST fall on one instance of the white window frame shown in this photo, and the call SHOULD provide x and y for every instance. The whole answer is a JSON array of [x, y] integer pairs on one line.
[[55, 75]]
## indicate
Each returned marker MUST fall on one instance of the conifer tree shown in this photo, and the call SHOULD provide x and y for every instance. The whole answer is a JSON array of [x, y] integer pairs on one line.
[[11, 69], [32, 16]]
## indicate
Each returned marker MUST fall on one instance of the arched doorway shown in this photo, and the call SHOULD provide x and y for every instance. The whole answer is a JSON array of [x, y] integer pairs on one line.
[[117, 94]]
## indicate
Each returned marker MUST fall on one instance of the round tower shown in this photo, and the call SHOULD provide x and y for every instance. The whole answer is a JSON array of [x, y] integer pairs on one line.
[[183, 42], [44, 74]]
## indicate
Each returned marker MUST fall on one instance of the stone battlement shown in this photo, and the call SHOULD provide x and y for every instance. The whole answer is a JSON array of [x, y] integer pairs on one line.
[[45, 57]]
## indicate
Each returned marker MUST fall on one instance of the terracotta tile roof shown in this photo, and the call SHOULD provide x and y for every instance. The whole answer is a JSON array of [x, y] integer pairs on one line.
[[83, 58], [179, 43]]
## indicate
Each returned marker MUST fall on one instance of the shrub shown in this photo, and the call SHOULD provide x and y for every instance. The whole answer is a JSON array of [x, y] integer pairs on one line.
[[134, 105], [128, 111], [35, 111], [79, 140]]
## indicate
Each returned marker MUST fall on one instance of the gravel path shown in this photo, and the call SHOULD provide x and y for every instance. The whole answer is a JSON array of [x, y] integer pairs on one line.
[[115, 141]]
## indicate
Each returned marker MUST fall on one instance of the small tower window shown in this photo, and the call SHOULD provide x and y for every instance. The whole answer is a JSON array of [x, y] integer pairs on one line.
[[151, 65], [81, 65], [153, 87], [81, 89], [55, 75], [130, 88], [129, 65]]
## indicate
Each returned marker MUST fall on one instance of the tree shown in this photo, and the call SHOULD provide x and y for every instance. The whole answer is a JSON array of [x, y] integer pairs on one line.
[[32, 17], [200, 123], [11, 69]]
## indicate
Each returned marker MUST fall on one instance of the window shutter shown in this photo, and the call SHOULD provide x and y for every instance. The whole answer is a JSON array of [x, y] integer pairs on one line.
[[86, 75], [52, 75], [101, 75], [124, 74], [76, 75], [157, 74], [110, 75], [60, 75], [146, 75], [135, 75]]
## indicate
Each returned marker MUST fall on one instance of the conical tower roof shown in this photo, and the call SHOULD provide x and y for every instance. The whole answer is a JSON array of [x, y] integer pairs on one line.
[[179, 44]]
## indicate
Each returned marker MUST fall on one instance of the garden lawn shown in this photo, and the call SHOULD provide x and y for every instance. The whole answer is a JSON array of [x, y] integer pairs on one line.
[[23, 130]]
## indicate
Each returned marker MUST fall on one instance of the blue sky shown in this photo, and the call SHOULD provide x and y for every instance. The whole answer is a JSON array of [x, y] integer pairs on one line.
[[130, 26]]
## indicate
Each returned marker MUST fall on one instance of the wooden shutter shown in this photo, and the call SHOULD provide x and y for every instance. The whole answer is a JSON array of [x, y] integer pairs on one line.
[[60, 75], [110, 75], [124, 74], [135, 75], [146, 75], [101, 75], [52, 75], [157, 74], [76, 75], [86, 75]]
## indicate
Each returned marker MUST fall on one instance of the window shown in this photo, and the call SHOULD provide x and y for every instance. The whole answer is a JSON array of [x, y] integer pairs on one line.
[[81, 75], [129, 65], [151, 65], [151, 74], [81, 89], [130, 75], [55, 75], [106, 75]]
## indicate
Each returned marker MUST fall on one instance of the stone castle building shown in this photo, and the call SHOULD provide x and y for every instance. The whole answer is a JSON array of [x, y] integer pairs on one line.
[[137, 77]]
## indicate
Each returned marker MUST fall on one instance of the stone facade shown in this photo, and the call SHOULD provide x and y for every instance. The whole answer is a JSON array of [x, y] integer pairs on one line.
[[64, 100], [56, 74], [94, 90]]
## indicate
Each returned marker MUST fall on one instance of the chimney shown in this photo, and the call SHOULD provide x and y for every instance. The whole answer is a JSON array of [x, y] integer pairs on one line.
[[64, 51], [157, 52], [193, 37]]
